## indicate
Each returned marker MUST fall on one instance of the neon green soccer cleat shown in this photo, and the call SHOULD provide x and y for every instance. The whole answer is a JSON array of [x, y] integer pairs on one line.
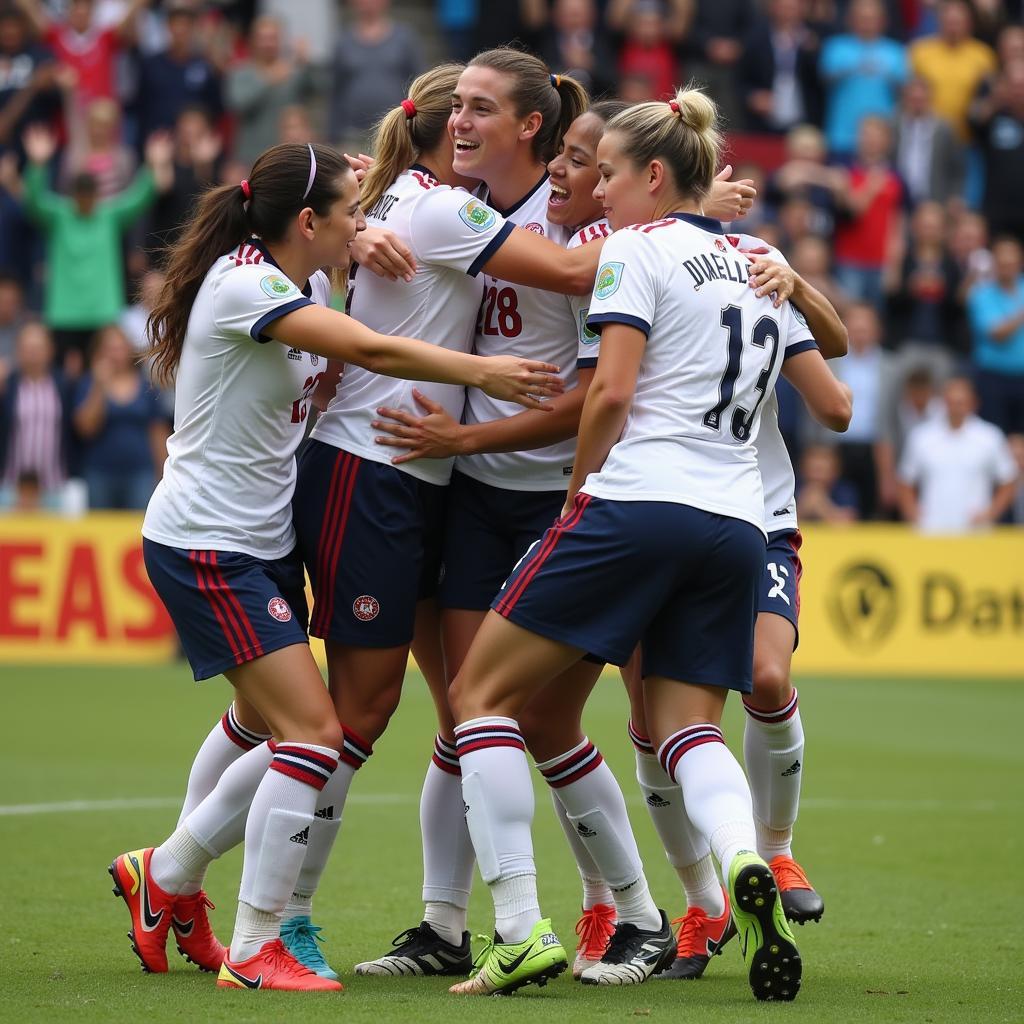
[[505, 967], [769, 951]]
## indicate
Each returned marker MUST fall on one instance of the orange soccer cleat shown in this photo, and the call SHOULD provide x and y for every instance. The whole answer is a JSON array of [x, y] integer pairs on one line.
[[699, 938], [194, 934], [595, 928], [799, 900], [150, 908], [273, 967]]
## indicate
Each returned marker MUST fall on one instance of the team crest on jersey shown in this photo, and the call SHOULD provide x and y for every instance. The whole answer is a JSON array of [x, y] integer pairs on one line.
[[537, 229], [276, 286], [279, 609], [587, 336], [608, 279], [366, 608], [477, 216], [719, 244], [800, 318], [295, 353]]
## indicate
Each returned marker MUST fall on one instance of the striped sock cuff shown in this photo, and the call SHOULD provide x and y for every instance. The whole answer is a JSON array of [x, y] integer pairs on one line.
[[304, 762], [355, 751], [571, 766], [238, 734], [682, 742], [446, 757], [480, 733], [642, 743], [783, 714]]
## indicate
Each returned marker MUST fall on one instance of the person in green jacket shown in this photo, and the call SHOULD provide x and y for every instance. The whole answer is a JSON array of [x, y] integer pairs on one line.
[[84, 287]]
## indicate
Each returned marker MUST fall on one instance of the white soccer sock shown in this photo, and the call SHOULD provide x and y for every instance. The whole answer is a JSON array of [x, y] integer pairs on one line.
[[227, 741], [276, 839], [595, 888], [773, 749], [498, 795], [326, 823], [687, 850], [448, 856], [596, 810], [715, 791]]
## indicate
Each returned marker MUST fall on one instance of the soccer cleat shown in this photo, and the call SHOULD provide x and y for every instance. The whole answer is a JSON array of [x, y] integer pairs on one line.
[[633, 955], [769, 951], [194, 935], [273, 967], [505, 967], [300, 937], [799, 900], [150, 908], [420, 951], [698, 939], [594, 928]]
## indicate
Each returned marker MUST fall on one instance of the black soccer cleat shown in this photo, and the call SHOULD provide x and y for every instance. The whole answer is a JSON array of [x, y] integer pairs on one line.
[[420, 952], [633, 955]]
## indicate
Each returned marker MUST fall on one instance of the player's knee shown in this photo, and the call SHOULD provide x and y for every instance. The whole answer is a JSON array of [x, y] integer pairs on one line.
[[546, 735], [326, 734], [772, 685]]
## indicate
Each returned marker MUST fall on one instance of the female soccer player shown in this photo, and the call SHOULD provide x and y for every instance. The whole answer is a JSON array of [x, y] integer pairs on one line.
[[218, 539], [660, 541]]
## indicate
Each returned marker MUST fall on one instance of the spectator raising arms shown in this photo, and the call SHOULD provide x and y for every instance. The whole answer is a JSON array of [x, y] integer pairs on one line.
[[85, 284]]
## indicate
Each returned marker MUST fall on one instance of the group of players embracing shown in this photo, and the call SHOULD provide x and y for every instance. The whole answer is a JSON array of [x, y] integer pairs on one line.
[[581, 466]]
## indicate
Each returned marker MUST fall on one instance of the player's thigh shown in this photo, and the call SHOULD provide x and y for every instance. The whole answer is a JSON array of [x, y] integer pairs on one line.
[[632, 679], [429, 655], [551, 722], [673, 704], [774, 639]]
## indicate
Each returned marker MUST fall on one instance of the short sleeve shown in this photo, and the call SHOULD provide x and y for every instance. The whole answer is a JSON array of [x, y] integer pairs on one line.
[[579, 305], [798, 336], [454, 229], [250, 297], [627, 285], [1004, 465]]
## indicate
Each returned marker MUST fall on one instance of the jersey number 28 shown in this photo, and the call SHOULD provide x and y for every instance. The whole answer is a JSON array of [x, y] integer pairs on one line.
[[765, 330], [500, 312]]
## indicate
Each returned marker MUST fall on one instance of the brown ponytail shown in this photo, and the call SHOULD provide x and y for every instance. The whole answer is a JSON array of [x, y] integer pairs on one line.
[[559, 99], [400, 139], [224, 218]]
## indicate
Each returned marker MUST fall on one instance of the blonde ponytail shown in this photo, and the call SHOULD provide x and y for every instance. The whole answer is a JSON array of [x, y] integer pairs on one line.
[[416, 126], [683, 133]]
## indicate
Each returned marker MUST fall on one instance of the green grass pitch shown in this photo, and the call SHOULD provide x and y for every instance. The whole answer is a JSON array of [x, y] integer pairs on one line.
[[912, 830]]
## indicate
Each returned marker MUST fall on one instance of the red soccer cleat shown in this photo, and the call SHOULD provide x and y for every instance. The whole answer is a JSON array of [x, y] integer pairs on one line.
[[275, 968], [799, 899], [196, 941], [150, 908], [699, 938], [595, 928]]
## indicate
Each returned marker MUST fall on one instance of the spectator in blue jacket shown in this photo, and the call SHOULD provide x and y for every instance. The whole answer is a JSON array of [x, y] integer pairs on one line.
[[863, 73]]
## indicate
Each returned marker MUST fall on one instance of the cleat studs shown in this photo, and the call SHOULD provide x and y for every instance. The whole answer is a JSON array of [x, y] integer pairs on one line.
[[759, 902], [775, 949]]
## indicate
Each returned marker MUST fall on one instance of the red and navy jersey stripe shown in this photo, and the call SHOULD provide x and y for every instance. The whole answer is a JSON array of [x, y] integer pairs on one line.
[[683, 742], [479, 737], [298, 761], [575, 765], [234, 622]]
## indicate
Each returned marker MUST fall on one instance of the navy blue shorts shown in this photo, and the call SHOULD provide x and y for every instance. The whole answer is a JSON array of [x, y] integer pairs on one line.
[[228, 608], [487, 532], [370, 536], [779, 590], [679, 580]]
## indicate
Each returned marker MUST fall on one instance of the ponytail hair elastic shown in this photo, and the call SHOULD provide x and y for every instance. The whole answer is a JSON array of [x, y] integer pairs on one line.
[[556, 81], [410, 109], [246, 188], [673, 106]]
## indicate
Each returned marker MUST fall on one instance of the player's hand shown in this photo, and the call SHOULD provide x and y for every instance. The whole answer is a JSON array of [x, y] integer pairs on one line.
[[523, 381], [360, 164], [771, 278], [435, 435], [730, 200], [384, 253]]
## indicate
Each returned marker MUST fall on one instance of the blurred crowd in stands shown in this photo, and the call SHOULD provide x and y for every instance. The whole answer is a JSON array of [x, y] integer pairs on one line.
[[886, 139]]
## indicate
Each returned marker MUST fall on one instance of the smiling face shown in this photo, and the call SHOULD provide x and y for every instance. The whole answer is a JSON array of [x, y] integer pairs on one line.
[[574, 174], [624, 190], [336, 231], [484, 126]]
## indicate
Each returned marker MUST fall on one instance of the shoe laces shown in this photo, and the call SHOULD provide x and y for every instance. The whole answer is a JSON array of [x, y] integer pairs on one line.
[[279, 958], [788, 874], [481, 958], [689, 938], [619, 943], [595, 928], [300, 937]]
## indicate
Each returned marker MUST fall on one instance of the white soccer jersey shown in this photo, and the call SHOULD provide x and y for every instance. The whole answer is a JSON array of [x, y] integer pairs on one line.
[[712, 357], [535, 324], [240, 405], [589, 342], [452, 234]]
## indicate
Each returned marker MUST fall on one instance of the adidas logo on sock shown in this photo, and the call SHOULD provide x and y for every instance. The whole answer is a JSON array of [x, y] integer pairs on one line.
[[302, 838], [656, 800], [325, 812], [584, 831], [793, 769]]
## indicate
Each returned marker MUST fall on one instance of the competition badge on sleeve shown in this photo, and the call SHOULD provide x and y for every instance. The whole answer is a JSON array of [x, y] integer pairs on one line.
[[609, 277]]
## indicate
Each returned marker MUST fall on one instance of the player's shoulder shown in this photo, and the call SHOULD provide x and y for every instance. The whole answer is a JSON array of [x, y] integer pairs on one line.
[[245, 272], [589, 233], [320, 287], [752, 245]]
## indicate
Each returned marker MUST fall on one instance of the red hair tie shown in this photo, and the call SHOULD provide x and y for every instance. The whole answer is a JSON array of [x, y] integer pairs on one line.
[[673, 106], [409, 107], [246, 188]]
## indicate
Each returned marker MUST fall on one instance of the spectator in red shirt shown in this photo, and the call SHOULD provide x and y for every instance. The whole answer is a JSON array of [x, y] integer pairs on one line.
[[647, 52], [869, 236], [78, 44]]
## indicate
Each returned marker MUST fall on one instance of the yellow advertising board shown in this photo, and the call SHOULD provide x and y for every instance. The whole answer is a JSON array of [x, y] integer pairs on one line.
[[876, 600], [883, 600]]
